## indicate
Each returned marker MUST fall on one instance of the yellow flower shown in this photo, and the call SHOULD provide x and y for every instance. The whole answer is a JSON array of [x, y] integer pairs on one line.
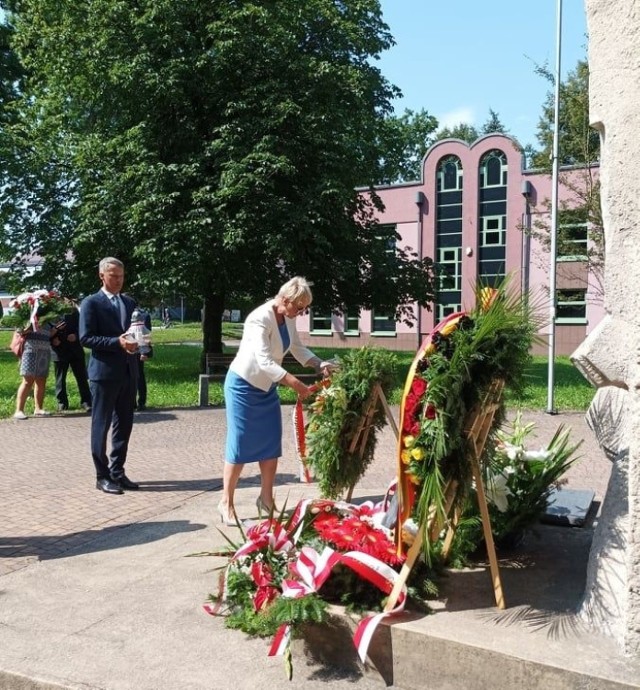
[[414, 479], [417, 453], [405, 456], [487, 297], [450, 327], [408, 441]]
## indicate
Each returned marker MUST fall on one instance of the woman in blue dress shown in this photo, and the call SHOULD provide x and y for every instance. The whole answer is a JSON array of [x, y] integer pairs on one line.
[[254, 421]]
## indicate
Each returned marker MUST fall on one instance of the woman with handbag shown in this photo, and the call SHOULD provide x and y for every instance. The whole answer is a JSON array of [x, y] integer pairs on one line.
[[34, 368]]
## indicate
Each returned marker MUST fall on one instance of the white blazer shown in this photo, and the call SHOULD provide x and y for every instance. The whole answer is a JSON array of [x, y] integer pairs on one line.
[[259, 358]]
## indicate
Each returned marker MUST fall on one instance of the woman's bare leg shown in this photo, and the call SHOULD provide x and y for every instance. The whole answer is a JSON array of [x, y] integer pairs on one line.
[[38, 392], [23, 392], [268, 469], [230, 478]]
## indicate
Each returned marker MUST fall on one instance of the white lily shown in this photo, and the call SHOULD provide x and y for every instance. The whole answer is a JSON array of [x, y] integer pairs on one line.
[[497, 491], [510, 450], [541, 454]]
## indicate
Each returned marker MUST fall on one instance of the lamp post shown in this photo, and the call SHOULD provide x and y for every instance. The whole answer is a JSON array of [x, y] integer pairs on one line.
[[554, 219]]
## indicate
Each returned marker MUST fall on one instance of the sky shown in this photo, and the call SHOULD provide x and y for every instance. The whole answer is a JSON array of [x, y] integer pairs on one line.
[[457, 59]]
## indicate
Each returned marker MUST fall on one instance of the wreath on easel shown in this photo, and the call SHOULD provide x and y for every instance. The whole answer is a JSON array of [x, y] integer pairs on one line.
[[337, 414], [452, 373]]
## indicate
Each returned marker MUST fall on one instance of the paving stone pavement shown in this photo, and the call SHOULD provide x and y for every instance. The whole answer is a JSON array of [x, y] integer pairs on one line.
[[95, 590], [49, 504]]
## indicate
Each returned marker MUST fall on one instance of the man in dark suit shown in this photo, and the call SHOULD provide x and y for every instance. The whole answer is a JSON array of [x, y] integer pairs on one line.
[[105, 317], [67, 352]]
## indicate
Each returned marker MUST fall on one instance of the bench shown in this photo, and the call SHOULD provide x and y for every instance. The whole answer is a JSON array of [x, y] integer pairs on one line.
[[217, 365]]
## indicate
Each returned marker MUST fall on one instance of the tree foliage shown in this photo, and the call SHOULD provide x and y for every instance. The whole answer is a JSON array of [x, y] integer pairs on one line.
[[214, 147], [579, 147], [578, 143], [404, 141], [469, 133]]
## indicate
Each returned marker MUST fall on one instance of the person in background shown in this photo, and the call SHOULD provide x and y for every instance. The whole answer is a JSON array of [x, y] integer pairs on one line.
[[105, 317], [34, 369], [142, 358], [67, 352], [254, 420]]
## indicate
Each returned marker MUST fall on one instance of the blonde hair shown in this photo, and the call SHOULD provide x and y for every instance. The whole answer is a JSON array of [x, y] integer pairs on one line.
[[297, 289]]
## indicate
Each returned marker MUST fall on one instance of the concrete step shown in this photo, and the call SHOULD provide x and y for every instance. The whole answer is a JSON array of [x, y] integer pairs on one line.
[[466, 643]]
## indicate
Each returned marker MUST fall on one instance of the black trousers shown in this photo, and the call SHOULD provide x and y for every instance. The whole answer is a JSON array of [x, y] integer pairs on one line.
[[113, 403], [79, 369]]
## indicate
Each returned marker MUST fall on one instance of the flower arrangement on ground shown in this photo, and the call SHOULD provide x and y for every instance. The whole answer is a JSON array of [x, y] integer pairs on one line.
[[288, 570], [30, 309], [451, 374], [336, 414], [518, 482]]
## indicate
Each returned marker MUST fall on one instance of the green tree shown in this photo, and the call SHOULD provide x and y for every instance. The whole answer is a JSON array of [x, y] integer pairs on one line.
[[469, 133], [404, 141], [579, 148], [462, 131], [493, 124], [214, 147], [578, 143]]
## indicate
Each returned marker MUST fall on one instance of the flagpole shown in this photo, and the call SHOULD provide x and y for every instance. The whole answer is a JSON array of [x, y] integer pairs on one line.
[[554, 219]]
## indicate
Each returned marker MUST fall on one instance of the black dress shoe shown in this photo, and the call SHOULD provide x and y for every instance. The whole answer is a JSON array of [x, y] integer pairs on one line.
[[108, 486], [125, 483]]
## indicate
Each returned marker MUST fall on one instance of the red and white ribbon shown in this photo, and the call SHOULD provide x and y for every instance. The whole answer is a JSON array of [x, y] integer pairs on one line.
[[314, 569], [299, 433]]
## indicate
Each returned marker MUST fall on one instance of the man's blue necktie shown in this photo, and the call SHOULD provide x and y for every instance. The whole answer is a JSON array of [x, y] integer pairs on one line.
[[115, 301]]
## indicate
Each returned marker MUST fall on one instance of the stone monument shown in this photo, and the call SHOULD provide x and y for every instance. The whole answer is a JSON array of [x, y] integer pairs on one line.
[[610, 357]]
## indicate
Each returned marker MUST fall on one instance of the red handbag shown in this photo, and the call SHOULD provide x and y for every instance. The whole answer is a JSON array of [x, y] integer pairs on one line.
[[17, 344]]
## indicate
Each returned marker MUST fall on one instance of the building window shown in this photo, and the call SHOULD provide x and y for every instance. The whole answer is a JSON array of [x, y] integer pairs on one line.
[[351, 323], [449, 175], [571, 306], [492, 218], [320, 321], [573, 234], [449, 267], [382, 323], [449, 183], [445, 310], [493, 169], [494, 231]]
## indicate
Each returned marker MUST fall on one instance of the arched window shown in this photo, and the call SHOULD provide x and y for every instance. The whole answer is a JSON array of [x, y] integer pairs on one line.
[[449, 235], [493, 169], [492, 219]]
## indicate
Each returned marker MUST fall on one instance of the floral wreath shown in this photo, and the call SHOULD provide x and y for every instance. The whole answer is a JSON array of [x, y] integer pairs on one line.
[[450, 374], [286, 563]]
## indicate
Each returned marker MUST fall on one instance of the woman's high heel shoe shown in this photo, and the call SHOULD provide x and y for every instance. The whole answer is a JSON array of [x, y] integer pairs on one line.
[[263, 508], [226, 517]]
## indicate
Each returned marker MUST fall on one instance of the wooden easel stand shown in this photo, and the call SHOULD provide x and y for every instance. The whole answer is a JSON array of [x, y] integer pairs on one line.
[[477, 431]]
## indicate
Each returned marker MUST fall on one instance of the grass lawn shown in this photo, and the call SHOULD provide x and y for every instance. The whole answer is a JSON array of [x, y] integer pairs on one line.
[[172, 375]]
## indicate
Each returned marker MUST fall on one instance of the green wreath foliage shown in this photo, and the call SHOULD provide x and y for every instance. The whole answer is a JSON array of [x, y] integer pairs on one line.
[[491, 342], [335, 415]]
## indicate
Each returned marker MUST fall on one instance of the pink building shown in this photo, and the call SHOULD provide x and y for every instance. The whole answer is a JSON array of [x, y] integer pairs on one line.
[[468, 213]]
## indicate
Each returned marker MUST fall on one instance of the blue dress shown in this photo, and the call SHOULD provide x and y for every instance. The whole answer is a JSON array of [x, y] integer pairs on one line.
[[254, 421]]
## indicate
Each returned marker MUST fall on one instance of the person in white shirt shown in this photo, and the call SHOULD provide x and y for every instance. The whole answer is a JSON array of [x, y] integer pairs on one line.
[[254, 420]]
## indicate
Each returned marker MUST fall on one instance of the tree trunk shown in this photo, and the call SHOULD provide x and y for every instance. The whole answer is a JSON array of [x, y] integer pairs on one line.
[[213, 306]]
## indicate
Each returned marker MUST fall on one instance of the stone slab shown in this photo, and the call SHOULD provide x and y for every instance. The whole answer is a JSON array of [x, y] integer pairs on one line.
[[568, 507]]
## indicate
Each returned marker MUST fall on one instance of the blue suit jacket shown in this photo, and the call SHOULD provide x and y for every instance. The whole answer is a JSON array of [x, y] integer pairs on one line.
[[100, 329]]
